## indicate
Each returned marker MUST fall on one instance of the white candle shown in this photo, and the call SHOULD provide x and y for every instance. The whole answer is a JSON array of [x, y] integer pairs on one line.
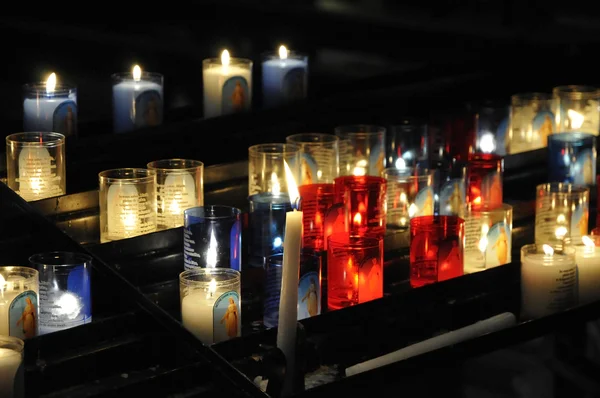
[[548, 281], [588, 269], [288, 304], [38, 178], [19, 302], [284, 78], [227, 86], [177, 194], [11, 373], [197, 313], [137, 100], [490, 325], [47, 109]]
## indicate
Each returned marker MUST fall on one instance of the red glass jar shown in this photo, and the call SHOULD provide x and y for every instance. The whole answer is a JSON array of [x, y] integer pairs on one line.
[[364, 200], [484, 180], [315, 204], [354, 270], [436, 249]]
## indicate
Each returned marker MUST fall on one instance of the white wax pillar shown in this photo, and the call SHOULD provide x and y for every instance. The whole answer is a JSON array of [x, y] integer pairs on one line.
[[197, 315], [227, 86], [11, 377], [288, 303], [38, 177], [490, 325], [177, 194], [548, 284], [122, 204], [588, 270]]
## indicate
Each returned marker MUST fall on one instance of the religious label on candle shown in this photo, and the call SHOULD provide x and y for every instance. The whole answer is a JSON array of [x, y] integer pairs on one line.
[[227, 323], [174, 196], [485, 246], [190, 257], [335, 221], [62, 309], [548, 220], [235, 97], [452, 197], [584, 168], [129, 212], [38, 178], [423, 205], [22, 311], [309, 296], [212, 321]]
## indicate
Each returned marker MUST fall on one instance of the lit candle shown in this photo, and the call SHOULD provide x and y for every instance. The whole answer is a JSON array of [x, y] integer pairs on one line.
[[288, 305], [50, 107], [210, 303], [137, 100], [284, 77], [11, 371], [227, 85], [548, 280], [588, 269], [19, 287]]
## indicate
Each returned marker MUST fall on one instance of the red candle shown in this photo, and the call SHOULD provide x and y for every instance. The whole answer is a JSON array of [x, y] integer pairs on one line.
[[354, 270], [436, 249], [364, 199], [316, 201], [484, 179]]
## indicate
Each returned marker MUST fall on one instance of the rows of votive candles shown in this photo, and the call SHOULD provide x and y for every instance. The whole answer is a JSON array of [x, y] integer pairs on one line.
[[138, 95], [349, 198]]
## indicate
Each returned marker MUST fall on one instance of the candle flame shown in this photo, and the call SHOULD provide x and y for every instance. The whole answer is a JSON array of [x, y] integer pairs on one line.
[[361, 168], [211, 253], [483, 243], [212, 287], [51, 83], [400, 164], [477, 200], [137, 73], [561, 232], [283, 52], [275, 185], [587, 241], [357, 219], [561, 218], [291, 183], [412, 210], [487, 143], [548, 250], [576, 118], [225, 58]]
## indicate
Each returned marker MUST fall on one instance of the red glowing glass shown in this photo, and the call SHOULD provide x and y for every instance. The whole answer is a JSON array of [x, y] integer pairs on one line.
[[315, 204], [484, 179], [364, 200], [436, 249], [354, 270], [595, 231]]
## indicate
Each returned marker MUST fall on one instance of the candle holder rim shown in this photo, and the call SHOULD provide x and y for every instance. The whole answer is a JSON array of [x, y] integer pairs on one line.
[[63, 259], [233, 212], [61, 89], [146, 175], [320, 139], [353, 242], [576, 135], [576, 91], [359, 130], [12, 343], [407, 172], [277, 149], [31, 273], [234, 276], [194, 165], [439, 220], [33, 139], [347, 181], [565, 250], [233, 61], [274, 54], [486, 208], [145, 75], [572, 189], [531, 96]]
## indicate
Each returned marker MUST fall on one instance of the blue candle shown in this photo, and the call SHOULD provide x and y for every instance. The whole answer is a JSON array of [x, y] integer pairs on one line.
[[137, 100], [48, 107], [267, 225], [572, 158], [285, 78]]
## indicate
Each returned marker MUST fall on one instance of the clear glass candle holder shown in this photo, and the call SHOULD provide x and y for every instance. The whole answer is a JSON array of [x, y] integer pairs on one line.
[[65, 290], [561, 212], [210, 303], [19, 308], [572, 158], [548, 280], [309, 288], [531, 122], [50, 110], [450, 185], [406, 143], [354, 270], [365, 203], [127, 203], [266, 170], [179, 186], [35, 164], [362, 150], [212, 237], [587, 256], [284, 77], [227, 85], [484, 179], [410, 194], [137, 102], [436, 249], [492, 128], [488, 237], [576, 109], [12, 381]]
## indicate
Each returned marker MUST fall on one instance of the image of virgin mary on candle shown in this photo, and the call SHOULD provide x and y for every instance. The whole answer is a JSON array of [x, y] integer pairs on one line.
[[543, 123], [236, 95], [64, 119], [227, 312], [452, 197], [23, 315], [450, 257], [148, 109]]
